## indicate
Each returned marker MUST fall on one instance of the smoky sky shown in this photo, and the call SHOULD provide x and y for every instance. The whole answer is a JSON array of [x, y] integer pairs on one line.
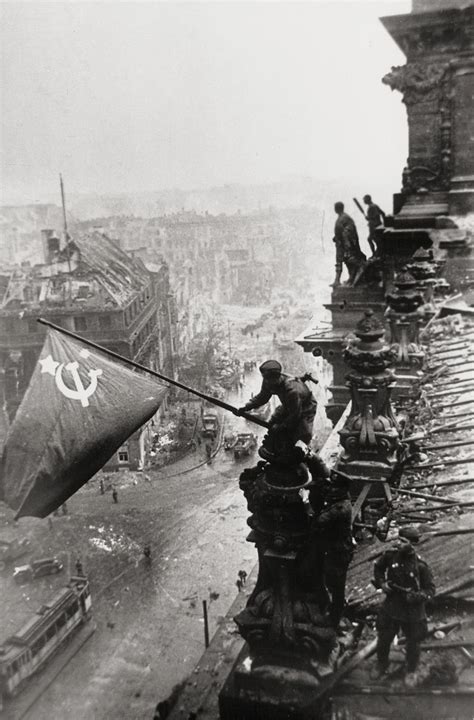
[[138, 96]]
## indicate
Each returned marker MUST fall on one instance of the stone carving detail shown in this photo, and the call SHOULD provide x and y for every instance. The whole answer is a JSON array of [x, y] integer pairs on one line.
[[403, 313], [417, 81], [427, 83], [424, 266], [370, 432], [283, 612]]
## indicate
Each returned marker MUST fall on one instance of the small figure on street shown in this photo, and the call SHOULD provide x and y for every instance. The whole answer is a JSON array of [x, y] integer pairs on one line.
[[375, 217], [79, 568], [101, 486], [332, 528], [50, 522], [348, 249], [115, 495], [147, 552], [295, 416], [407, 582], [242, 576], [209, 452], [239, 584], [64, 509]]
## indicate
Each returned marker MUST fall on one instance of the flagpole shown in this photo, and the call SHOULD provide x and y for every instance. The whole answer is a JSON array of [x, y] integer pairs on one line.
[[116, 356]]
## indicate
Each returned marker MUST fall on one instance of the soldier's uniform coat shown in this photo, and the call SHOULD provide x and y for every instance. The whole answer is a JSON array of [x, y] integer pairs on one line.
[[398, 611]]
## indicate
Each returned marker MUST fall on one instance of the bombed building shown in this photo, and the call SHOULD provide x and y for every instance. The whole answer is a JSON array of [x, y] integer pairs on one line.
[[89, 286]]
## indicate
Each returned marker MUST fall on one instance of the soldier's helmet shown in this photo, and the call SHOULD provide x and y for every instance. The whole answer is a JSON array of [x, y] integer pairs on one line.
[[409, 533], [271, 368]]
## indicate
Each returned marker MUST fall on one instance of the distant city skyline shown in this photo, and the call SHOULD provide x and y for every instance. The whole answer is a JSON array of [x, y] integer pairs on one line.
[[144, 96]]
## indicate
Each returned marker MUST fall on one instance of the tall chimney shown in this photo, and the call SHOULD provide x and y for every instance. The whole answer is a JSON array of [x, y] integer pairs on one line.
[[50, 244]]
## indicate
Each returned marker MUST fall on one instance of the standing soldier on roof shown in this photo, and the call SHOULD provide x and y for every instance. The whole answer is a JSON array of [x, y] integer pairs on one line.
[[375, 217], [294, 418], [347, 246], [407, 582]]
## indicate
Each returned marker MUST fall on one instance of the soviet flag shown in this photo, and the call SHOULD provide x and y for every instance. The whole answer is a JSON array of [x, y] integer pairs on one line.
[[79, 408]]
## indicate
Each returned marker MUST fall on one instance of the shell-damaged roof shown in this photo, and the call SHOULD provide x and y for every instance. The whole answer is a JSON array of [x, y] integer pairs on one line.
[[121, 275], [91, 271]]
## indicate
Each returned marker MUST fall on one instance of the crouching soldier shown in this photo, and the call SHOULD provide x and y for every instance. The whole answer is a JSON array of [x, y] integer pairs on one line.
[[407, 582], [292, 419]]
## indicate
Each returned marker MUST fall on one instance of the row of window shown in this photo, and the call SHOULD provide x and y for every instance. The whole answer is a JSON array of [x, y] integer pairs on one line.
[[80, 323], [137, 305], [144, 333]]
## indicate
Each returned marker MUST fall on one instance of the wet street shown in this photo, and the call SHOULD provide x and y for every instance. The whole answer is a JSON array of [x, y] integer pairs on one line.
[[150, 630], [149, 615]]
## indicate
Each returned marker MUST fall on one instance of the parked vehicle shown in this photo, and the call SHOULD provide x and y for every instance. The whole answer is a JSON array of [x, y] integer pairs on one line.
[[12, 549], [209, 425], [229, 441], [28, 649], [36, 569], [245, 444]]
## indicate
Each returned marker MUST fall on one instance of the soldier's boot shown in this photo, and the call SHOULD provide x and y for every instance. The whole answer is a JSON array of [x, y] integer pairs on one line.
[[337, 279]]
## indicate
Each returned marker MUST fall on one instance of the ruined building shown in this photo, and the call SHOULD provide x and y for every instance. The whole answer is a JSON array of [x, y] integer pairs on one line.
[[89, 286]]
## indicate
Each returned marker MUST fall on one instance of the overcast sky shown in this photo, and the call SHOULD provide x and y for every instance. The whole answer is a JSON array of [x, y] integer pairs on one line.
[[133, 96]]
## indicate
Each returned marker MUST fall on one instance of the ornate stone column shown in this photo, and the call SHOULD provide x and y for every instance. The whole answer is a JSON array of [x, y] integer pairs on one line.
[[405, 319], [370, 435], [425, 88], [437, 85], [288, 639], [461, 195]]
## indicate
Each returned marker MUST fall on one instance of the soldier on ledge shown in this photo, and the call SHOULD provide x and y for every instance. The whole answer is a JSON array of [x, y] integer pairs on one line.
[[347, 247], [375, 217], [407, 582], [295, 416]]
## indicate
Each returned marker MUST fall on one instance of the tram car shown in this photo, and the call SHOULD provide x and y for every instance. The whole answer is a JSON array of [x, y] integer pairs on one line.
[[27, 651]]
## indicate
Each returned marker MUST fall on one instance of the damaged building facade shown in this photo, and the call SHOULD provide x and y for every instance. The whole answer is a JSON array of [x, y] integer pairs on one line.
[[91, 287], [215, 259]]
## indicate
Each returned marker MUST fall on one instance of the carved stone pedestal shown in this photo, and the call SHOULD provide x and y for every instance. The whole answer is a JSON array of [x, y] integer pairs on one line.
[[370, 435], [289, 639], [404, 304], [268, 687]]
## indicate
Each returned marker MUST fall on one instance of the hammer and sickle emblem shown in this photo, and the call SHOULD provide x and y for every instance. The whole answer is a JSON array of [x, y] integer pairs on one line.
[[80, 393]]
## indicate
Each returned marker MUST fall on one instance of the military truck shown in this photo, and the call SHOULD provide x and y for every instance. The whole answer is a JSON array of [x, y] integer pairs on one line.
[[244, 445]]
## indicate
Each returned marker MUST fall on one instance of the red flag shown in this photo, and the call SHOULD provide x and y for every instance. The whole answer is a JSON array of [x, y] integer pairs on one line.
[[80, 406]]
